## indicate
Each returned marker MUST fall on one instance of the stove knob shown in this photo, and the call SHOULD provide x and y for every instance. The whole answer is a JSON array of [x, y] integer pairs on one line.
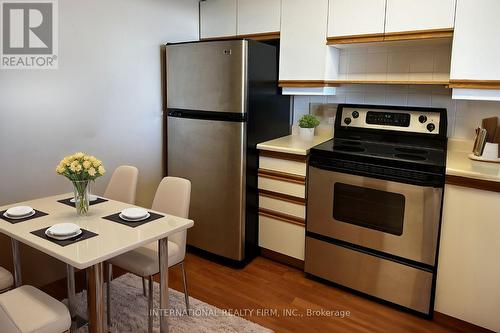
[[431, 127], [347, 121], [355, 114], [422, 119]]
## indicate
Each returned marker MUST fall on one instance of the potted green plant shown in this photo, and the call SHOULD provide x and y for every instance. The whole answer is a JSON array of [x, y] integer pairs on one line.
[[307, 124]]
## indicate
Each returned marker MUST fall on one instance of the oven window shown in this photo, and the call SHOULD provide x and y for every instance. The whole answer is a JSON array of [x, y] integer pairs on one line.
[[369, 208]]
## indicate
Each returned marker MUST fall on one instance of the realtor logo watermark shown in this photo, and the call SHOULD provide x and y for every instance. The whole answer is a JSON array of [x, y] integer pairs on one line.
[[29, 34]]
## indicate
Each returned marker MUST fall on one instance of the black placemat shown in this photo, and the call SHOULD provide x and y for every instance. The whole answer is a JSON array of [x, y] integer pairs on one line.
[[84, 235], [37, 214], [91, 203], [116, 218]]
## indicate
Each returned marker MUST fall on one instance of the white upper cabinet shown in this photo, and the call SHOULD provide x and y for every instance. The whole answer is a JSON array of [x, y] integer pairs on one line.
[[356, 17], [258, 16], [475, 69], [476, 51], [218, 18], [414, 15], [303, 46]]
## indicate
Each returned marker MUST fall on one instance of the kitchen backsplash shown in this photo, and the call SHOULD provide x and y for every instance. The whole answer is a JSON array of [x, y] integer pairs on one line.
[[463, 116]]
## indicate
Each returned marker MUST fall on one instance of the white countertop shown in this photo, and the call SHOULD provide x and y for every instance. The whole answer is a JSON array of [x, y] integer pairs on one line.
[[113, 238], [458, 164], [292, 144]]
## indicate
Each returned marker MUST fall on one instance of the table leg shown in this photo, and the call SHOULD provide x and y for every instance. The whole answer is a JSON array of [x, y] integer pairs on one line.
[[16, 259], [70, 287], [95, 298], [164, 308]]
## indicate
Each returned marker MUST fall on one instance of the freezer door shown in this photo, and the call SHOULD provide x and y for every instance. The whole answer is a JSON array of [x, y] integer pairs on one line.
[[211, 154], [207, 76]]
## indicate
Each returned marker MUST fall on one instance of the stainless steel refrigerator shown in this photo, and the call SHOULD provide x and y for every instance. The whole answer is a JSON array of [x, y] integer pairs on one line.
[[222, 99]]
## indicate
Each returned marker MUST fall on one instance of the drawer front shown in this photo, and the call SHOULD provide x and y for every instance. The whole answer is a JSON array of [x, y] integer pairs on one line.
[[283, 186], [278, 205], [382, 278], [282, 237], [284, 166]]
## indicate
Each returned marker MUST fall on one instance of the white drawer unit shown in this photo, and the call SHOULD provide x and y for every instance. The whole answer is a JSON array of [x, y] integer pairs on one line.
[[282, 206], [282, 165], [282, 237], [282, 186]]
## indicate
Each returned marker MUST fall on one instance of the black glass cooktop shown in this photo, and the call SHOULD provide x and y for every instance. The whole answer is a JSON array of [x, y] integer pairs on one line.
[[353, 153]]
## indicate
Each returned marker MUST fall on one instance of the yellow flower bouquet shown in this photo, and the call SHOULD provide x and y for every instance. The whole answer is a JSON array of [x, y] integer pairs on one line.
[[81, 169]]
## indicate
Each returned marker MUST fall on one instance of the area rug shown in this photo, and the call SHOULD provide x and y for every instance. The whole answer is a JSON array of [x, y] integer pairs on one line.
[[129, 311]]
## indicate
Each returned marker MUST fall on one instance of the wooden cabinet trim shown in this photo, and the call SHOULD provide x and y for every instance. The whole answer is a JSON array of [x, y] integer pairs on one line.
[[479, 184], [282, 217], [475, 84], [283, 156], [285, 177], [303, 84], [282, 197], [259, 36], [430, 82], [352, 39], [419, 34], [336, 83], [391, 36]]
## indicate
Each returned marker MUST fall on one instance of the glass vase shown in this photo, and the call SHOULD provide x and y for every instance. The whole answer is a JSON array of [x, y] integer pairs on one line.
[[82, 194]]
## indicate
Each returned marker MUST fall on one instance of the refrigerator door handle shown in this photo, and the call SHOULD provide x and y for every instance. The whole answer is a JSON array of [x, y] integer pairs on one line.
[[207, 115]]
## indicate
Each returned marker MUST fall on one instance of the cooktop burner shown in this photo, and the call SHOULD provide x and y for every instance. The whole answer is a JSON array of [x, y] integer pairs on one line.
[[353, 149], [410, 157]]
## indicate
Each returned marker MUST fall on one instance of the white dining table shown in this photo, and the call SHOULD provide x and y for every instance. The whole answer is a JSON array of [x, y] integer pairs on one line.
[[90, 254]]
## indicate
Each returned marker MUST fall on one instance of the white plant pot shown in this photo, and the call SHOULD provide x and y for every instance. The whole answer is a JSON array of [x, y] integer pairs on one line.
[[306, 133]]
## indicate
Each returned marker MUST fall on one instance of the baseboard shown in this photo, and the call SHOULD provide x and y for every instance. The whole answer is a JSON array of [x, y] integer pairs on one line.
[[282, 258]]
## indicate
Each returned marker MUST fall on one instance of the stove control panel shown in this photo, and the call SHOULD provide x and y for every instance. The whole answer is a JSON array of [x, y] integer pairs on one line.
[[394, 120]]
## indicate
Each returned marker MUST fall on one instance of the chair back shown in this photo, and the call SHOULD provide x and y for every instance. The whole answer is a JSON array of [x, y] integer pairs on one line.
[[123, 184], [173, 197]]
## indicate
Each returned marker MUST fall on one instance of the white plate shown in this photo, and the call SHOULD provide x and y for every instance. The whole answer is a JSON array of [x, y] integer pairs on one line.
[[19, 217], [482, 159], [91, 198], [63, 229], [19, 211], [49, 234], [134, 220], [134, 213]]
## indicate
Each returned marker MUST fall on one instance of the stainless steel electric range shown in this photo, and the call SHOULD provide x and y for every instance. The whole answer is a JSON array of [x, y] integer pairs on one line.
[[374, 203]]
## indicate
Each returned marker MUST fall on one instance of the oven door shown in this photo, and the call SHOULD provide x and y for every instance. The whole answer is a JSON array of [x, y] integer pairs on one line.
[[390, 217]]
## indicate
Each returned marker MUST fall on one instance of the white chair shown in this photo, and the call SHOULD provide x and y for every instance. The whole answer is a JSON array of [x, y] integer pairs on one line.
[[123, 184], [6, 280], [29, 310], [172, 197]]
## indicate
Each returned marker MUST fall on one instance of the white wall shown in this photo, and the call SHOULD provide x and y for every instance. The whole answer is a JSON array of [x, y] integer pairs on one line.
[[104, 99], [463, 116]]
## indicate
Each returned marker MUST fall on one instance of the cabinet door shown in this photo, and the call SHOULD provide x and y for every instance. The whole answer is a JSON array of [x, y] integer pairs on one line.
[[258, 16], [476, 50], [303, 40], [414, 15], [218, 18], [468, 276], [368, 15]]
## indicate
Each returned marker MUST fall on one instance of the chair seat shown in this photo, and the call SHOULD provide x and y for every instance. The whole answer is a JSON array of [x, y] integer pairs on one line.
[[6, 279], [29, 310], [144, 261]]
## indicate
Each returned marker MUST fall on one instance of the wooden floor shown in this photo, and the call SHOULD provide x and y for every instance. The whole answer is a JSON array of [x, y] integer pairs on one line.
[[267, 285]]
